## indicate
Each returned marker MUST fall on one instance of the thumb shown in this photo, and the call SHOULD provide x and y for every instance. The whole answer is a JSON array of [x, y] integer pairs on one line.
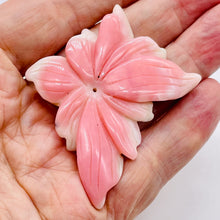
[[11, 82], [11, 85]]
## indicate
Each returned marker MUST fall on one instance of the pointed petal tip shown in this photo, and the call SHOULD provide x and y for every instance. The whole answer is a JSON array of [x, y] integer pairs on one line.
[[99, 204], [89, 35], [132, 153], [133, 156], [70, 146], [190, 81], [32, 73], [194, 78], [117, 9], [163, 53], [149, 113], [149, 116]]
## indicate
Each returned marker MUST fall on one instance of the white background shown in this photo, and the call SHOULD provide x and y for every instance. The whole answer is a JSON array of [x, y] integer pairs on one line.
[[2, 1], [194, 193]]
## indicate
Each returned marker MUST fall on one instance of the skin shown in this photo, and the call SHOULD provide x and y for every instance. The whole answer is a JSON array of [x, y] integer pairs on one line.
[[38, 177]]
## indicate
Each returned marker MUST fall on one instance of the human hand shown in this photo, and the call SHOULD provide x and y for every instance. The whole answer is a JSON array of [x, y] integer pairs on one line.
[[39, 178]]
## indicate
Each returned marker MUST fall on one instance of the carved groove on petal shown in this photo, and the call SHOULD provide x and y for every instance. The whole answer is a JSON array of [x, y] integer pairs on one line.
[[124, 132], [133, 49], [124, 23], [68, 116], [80, 54], [149, 79], [142, 111], [99, 162], [109, 38], [53, 78]]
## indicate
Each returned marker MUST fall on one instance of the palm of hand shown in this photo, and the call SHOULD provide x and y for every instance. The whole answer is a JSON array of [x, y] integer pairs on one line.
[[39, 178], [36, 157]]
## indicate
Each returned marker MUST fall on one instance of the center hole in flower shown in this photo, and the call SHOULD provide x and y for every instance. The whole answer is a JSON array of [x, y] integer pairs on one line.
[[94, 90]]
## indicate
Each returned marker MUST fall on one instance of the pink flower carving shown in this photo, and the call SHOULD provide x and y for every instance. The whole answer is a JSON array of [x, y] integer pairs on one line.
[[103, 87]]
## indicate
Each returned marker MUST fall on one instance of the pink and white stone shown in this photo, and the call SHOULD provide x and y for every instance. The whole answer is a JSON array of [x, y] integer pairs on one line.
[[103, 87]]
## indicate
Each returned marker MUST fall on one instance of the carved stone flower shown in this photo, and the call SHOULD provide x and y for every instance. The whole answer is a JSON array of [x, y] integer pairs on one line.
[[103, 87]]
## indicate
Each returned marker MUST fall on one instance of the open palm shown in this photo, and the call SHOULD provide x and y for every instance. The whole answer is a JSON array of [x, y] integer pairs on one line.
[[46, 178], [38, 177]]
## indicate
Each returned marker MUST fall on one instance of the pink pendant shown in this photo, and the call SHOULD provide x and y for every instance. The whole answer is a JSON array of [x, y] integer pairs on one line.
[[103, 87]]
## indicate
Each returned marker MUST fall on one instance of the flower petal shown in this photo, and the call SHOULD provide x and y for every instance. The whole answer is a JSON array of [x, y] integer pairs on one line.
[[124, 132], [80, 53], [53, 78], [100, 164], [113, 31], [133, 110], [89, 35], [124, 23], [68, 116], [149, 79], [135, 48]]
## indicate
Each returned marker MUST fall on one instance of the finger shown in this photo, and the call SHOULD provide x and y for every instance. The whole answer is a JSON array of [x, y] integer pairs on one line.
[[160, 109], [33, 29], [11, 85], [198, 48], [11, 82], [166, 148], [164, 20], [60, 22]]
